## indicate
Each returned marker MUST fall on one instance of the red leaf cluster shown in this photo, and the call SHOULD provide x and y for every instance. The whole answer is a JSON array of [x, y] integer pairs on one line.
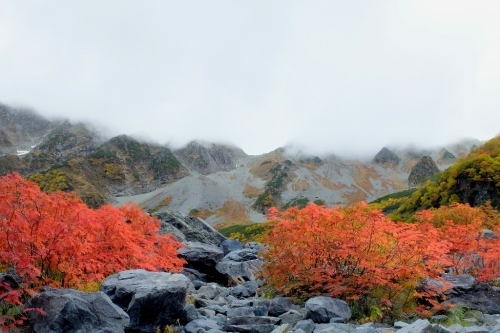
[[55, 239], [353, 251]]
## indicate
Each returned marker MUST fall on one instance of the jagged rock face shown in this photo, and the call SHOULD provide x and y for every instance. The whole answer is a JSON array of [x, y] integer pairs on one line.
[[423, 170], [132, 167], [67, 141], [209, 158], [20, 129], [386, 156], [446, 156], [477, 193]]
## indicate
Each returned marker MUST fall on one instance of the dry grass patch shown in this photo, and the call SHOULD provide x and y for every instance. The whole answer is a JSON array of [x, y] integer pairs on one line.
[[265, 164], [232, 212], [251, 192], [356, 196], [300, 185]]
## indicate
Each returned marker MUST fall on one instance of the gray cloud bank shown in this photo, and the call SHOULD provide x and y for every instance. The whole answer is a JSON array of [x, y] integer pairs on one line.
[[337, 76]]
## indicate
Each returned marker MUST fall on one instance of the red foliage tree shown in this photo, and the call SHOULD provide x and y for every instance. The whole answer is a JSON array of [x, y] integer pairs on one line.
[[55, 239], [470, 250], [350, 253]]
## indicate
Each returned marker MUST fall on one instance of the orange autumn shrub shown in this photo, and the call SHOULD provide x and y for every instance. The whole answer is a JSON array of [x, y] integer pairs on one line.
[[350, 253], [470, 250], [56, 240]]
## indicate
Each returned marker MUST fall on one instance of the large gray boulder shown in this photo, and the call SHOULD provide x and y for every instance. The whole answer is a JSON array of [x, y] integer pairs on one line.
[[448, 284], [73, 311], [204, 258], [151, 299], [189, 228], [464, 290], [279, 305], [243, 263], [321, 309]]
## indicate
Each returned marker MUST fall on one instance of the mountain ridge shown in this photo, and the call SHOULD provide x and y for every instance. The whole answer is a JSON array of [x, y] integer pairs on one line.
[[217, 180]]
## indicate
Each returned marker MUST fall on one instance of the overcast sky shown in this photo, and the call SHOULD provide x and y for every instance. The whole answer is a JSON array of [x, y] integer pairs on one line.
[[331, 76]]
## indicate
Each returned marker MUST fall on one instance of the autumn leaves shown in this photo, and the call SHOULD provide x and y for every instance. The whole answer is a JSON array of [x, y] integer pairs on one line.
[[360, 255], [56, 240]]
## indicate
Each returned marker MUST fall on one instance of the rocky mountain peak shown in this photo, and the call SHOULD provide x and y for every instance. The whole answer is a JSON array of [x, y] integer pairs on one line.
[[446, 157], [423, 170], [20, 129], [207, 158], [386, 156]]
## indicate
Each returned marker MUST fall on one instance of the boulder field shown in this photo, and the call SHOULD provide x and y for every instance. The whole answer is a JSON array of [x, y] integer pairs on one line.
[[218, 292]]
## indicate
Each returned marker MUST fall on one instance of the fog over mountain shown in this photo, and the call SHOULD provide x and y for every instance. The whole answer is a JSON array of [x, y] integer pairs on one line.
[[336, 77]]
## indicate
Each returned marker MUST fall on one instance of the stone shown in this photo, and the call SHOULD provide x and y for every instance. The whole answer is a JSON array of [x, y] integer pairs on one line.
[[245, 269], [204, 258], [250, 320], [400, 324], [251, 324], [365, 330], [202, 302], [488, 234], [241, 255], [194, 275], [206, 312], [344, 327], [10, 280], [245, 290], [279, 305], [257, 247], [291, 317], [206, 324], [321, 309], [439, 318], [236, 303], [456, 328], [262, 302], [220, 319], [230, 245], [240, 312], [481, 297], [335, 320], [189, 314], [476, 329], [419, 326], [192, 229], [448, 284], [209, 291], [327, 328], [218, 308], [73, 311], [151, 299], [283, 328], [306, 325], [261, 311]]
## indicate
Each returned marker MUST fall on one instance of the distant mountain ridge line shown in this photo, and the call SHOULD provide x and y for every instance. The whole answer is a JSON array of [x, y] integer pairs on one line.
[[201, 176]]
